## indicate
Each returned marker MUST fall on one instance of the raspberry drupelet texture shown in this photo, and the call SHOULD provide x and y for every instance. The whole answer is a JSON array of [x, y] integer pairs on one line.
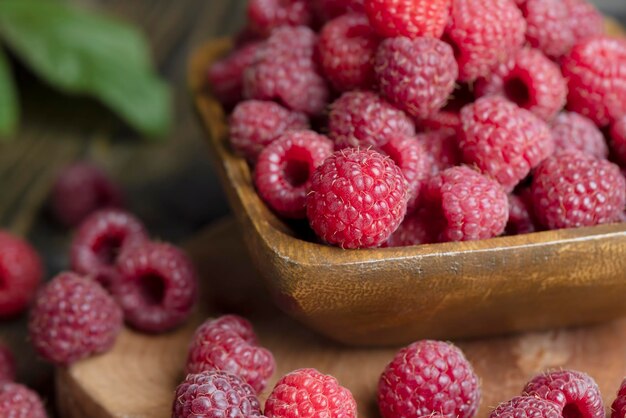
[[283, 172], [265, 15], [574, 132], [18, 401], [417, 75], [575, 189], [442, 149], [618, 140], [584, 19], [157, 286], [522, 218], [357, 199], [503, 140], [410, 18], [73, 318], [330, 9], [229, 344], [549, 28], [7, 364], [307, 392], [618, 407], [363, 119], [428, 377], [527, 407], [415, 229]]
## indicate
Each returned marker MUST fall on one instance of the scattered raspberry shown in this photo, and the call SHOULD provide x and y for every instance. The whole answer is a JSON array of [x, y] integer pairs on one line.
[[548, 26], [73, 318], [363, 119], [618, 140], [503, 140], [417, 75], [415, 229], [21, 272], [410, 18], [527, 407], [283, 172], [576, 189], [229, 344], [7, 365], [428, 377], [307, 392], [265, 15], [618, 408], [330, 9], [18, 401], [442, 149], [157, 286], [522, 219], [574, 132], [584, 19]]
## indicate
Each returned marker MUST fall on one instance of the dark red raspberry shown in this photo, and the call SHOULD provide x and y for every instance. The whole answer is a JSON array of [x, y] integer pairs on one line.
[[215, 394], [410, 18], [484, 33], [18, 401], [575, 189], [522, 219], [428, 377], [255, 124], [229, 344], [73, 318], [584, 19], [157, 286], [417, 75], [574, 132], [329, 9], [618, 140], [357, 199], [503, 140], [347, 46], [307, 392], [21, 271], [548, 26], [363, 119], [618, 408], [596, 74], [79, 190], [99, 241], [265, 15], [7, 364], [442, 149], [415, 229], [527, 407]]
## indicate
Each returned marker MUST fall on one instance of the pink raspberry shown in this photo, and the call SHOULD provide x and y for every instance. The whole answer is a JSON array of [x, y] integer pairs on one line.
[[522, 218], [575, 189], [265, 15], [363, 119], [584, 19], [484, 33], [357, 199], [157, 286], [330, 9], [574, 132], [428, 377], [596, 74], [618, 407], [307, 392], [7, 364], [73, 318], [417, 75], [283, 172], [410, 18], [527, 407], [618, 140], [442, 149], [503, 140], [415, 229], [548, 26], [18, 401], [255, 124]]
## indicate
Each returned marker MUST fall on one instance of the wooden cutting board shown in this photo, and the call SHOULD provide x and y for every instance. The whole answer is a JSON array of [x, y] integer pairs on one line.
[[138, 377]]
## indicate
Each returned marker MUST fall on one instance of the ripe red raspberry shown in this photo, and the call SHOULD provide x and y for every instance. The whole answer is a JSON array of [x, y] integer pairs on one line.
[[21, 272], [347, 46], [484, 33], [522, 218], [329, 9], [442, 149], [156, 287], [363, 119], [415, 229], [7, 365], [357, 199], [410, 18], [575, 189], [255, 124], [265, 15], [417, 75], [73, 318], [584, 19], [503, 140], [307, 392], [215, 394], [428, 377], [618, 140], [596, 74], [99, 241], [79, 190], [574, 132], [18, 401], [527, 407], [229, 344], [548, 26], [618, 407]]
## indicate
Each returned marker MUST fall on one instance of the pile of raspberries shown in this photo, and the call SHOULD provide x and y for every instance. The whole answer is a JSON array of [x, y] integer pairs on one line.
[[405, 122]]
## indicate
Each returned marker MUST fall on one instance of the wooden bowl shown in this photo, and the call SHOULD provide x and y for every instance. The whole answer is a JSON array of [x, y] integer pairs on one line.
[[397, 295]]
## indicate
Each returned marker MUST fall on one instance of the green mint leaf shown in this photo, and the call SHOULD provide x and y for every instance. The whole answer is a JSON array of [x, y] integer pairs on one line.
[[8, 100]]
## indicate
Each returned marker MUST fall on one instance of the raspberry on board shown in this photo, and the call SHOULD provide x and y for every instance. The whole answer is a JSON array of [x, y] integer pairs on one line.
[[618, 407], [266, 15], [618, 140], [330, 9], [442, 149], [548, 26], [522, 219], [18, 401], [7, 364], [527, 407], [574, 132], [415, 229], [410, 18]]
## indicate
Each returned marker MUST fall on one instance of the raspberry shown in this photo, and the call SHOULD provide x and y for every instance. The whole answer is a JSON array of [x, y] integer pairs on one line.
[[428, 377], [157, 286], [73, 318], [229, 344], [283, 172], [527, 407], [307, 392], [21, 272], [576, 394], [255, 124], [329, 9], [531, 81], [576, 189], [484, 33], [363, 119], [99, 241], [347, 46], [7, 364], [618, 140], [417, 75], [18, 401], [574, 132], [584, 19], [265, 15], [548, 26], [415, 229], [596, 74], [410, 18], [357, 199], [80, 189], [448, 117], [522, 219], [215, 394], [618, 408], [503, 140], [442, 149]]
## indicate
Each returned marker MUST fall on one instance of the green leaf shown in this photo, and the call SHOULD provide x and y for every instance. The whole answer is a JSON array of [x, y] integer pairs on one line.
[[8, 100], [82, 53]]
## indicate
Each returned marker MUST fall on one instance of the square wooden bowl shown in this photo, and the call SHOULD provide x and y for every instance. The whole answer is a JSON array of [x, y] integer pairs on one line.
[[397, 295]]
